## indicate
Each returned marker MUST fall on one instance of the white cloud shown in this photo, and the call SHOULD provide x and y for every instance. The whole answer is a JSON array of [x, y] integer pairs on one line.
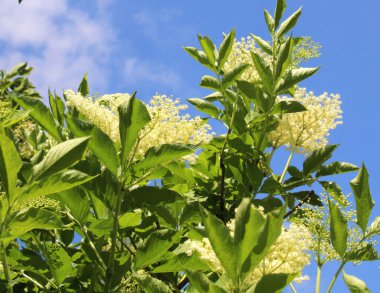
[[60, 41], [136, 70]]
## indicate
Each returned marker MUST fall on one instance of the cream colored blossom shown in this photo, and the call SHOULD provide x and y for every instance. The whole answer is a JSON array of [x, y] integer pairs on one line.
[[39, 202], [317, 221], [287, 255], [167, 124], [308, 130], [240, 54]]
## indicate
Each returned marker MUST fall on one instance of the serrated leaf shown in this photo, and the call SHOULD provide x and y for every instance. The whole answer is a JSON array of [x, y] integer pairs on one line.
[[288, 23], [76, 202], [338, 229], [317, 158], [60, 157], [280, 8], [156, 245], [273, 283], [363, 198], [133, 116], [234, 74], [264, 71], [221, 242], [205, 107], [254, 93], [83, 86], [208, 47], [41, 114], [285, 107], [264, 45], [284, 58], [10, 163], [354, 284], [269, 21], [336, 168], [57, 107], [55, 183], [100, 144], [162, 154], [30, 219], [335, 191], [200, 56], [225, 48], [59, 262], [150, 284], [202, 284], [293, 77], [210, 82], [367, 252]]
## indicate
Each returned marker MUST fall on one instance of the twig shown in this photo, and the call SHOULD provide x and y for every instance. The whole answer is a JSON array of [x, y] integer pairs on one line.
[[305, 199]]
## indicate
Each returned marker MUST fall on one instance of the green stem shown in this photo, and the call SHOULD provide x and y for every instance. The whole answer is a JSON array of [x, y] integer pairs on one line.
[[318, 284], [292, 287], [335, 277], [39, 285], [287, 165], [6, 268]]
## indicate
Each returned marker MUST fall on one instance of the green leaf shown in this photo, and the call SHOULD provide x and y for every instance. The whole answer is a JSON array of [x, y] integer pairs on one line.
[[75, 201], [294, 76], [367, 252], [363, 198], [200, 56], [249, 225], [284, 58], [133, 117], [55, 183], [150, 284], [83, 87], [41, 114], [182, 261], [374, 228], [264, 71], [336, 168], [59, 262], [102, 227], [264, 45], [202, 284], [210, 82], [225, 49], [285, 107], [57, 107], [162, 154], [354, 284], [288, 23], [209, 48], [280, 8], [338, 229], [221, 242], [100, 144], [254, 93], [234, 74], [269, 21], [60, 157], [317, 158], [10, 163], [155, 246], [273, 283], [335, 191], [130, 219], [205, 107], [30, 219]]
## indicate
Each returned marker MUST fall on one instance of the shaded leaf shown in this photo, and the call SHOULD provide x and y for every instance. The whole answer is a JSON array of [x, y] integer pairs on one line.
[[317, 158], [338, 229], [336, 168], [150, 284]]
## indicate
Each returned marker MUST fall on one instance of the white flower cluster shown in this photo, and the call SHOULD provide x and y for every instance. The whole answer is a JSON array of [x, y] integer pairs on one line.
[[167, 124], [240, 54], [288, 255], [308, 130]]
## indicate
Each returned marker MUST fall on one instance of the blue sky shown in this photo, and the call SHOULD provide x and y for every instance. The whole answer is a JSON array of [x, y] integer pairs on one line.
[[137, 45]]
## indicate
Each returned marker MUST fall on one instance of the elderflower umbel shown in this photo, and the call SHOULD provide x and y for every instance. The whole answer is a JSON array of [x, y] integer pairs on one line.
[[167, 124], [317, 221], [308, 130], [287, 255]]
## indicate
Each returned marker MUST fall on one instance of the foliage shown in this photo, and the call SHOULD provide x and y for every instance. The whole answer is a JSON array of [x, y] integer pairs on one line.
[[102, 202]]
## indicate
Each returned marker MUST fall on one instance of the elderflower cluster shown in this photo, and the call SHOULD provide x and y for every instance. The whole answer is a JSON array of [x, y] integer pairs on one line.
[[41, 202], [287, 255], [317, 221], [307, 131], [167, 125], [240, 54]]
